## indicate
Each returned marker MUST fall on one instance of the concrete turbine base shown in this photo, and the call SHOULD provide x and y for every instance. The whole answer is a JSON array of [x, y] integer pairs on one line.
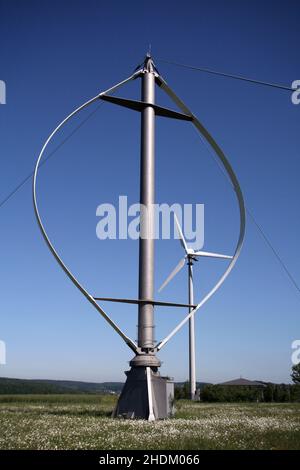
[[145, 395]]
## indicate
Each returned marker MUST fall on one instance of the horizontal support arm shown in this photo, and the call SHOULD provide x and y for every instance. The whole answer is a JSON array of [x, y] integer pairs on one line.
[[146, 301], [140, 105]]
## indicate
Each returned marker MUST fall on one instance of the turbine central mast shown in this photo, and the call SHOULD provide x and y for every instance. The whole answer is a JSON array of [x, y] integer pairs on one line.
[[147, 199]]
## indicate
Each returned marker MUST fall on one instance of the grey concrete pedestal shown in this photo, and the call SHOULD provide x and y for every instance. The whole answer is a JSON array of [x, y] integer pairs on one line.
[[133, 402]]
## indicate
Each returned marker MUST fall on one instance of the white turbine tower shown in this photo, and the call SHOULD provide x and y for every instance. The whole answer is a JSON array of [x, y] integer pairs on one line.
[[190, 256]]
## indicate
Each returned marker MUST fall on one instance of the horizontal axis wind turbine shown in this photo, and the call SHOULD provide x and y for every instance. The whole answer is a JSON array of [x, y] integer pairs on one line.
[[189, 258]]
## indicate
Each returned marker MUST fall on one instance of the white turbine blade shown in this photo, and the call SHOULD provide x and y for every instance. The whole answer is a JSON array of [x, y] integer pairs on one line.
[[181, 239], [211, 255], [173, 273]]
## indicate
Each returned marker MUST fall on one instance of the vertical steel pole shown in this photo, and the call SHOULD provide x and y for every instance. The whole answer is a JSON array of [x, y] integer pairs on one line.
[[147, 198], [146, 394], [192, 358]]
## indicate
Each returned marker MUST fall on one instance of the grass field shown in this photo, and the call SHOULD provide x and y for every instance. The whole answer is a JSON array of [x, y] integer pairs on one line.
[[83, 422]]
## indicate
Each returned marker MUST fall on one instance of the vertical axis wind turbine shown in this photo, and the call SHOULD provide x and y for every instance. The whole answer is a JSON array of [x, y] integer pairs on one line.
[[145, 394], [190, 257]]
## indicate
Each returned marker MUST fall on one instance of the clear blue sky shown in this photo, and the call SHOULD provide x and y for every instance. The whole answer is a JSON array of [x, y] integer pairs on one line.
[[57, 54]]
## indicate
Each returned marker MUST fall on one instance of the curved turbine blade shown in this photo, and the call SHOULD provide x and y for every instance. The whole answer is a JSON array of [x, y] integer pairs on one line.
[[173, 273], [211, 255], [212, 145], [181, 239]]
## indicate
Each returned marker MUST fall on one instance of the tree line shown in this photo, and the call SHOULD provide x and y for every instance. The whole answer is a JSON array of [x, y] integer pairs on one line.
[[267, 392]]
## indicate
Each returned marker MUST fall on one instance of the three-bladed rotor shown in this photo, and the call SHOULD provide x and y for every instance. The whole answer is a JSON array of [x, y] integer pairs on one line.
[[190, 255]]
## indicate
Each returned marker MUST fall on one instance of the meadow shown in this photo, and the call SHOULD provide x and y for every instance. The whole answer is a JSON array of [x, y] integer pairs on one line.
[[84, 422]]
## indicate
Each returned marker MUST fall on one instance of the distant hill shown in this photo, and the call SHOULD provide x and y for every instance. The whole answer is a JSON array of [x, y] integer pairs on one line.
[[26, 386]]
